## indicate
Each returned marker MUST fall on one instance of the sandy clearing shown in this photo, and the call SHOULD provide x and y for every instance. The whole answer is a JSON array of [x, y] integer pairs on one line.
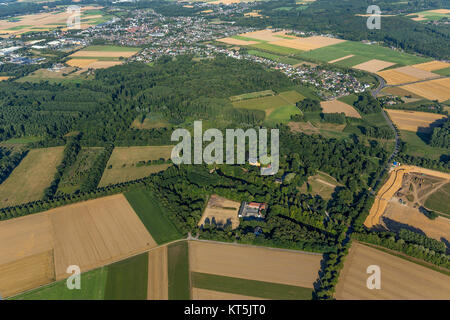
[[25, 236], [26, 273], [373, 65], [237, 41], [204, 294], [432, 65], [31, 177], [438, 89], [158, 280], [96, 232], [336, 106], [2, 78], [104, 54], [400, 279], [255, 263], [308, 43], [219, 210], [437, 229], [413, 120], [392, 185], [340, 59]]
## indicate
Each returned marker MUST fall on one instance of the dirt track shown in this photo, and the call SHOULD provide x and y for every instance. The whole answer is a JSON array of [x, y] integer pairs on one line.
[[391, 186]]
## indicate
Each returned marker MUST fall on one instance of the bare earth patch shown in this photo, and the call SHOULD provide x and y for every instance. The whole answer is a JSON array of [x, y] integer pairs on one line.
[[220, 210], [400, 279]]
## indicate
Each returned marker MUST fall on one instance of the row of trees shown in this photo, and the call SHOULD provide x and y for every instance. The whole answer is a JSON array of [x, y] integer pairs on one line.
[[8, 161]]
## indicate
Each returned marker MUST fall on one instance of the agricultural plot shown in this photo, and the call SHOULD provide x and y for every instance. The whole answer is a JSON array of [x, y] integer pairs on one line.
[[220, 211], [432, 65], [37, 169], [205, 294], [178, 271], [340, 59], [272, 104], [362, 53], [405, 75], [400, 279], [97, 57], [430, 15], [274, 57], [95, 233], [416, 146], [205, 285], [158, 281], [131, 163], [48, 21], [438, 89], [74, 176], [336, 106], [255, 263], [308, 43], [152, 215], [66, 74], [252, 95], [434, 201], [414, 120], [374, 65], [148, 123], [123, 280], [237, 42], [274, 48]]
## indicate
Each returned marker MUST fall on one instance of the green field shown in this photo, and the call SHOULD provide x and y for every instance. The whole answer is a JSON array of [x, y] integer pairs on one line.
[[435, 201], [237, 37], [178, 271], [250, 288], [270, 102], [283, 114], [274, 57], [128, 279], [275, 49], [443, 72], [415, 146], [123, 280], [252, 95], [152, 215], [429, 16], [93, 285], [23, 140], [363, 52]]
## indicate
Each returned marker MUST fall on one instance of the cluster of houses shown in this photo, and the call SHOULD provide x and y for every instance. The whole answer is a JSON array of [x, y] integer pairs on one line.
[[252, 210]]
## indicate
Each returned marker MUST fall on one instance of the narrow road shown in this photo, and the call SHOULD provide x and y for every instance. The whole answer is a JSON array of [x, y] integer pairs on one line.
[[382, 84]]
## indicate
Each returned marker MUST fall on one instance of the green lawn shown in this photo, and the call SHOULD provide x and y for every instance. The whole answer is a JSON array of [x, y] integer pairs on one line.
[[128, 279], [285, 98], [24, 140], [363, 52], [178, 271], [283, 114], [250, 288], [152, 215]]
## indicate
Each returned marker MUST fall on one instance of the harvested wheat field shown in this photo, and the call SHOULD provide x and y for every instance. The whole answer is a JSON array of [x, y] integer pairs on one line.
[[373, 65], [306, 44], [103, 54], [432, 65], [81, 63], [438, 89], [391, 186], [438, 228], [264, 35], [220, 211], [336, 106], [413, 120], [237, 42], [26, 273], [400, 279], [158, 280], [340, 59], [255, 263], [405, 75], [123, 165], [94, 233], [24, 237], [31, 177], [205, 294]]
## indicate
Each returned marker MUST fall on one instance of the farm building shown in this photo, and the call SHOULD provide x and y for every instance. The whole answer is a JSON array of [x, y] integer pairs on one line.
[[252, 210]]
